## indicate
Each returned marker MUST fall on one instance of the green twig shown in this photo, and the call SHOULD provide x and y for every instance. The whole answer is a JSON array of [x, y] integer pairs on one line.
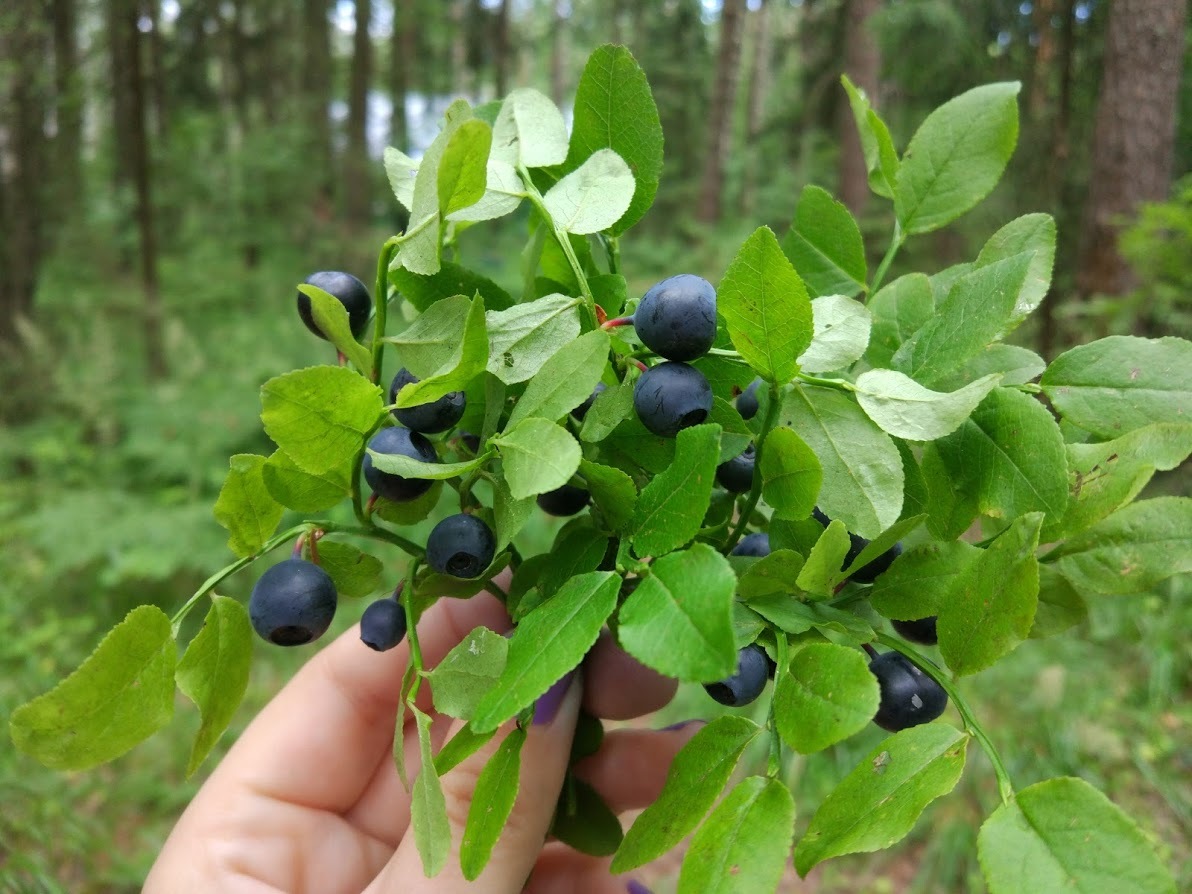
[[838, 384], [755, 492], [381, 300], [971, 724], [895, 244], [564, 241], [412, 631]]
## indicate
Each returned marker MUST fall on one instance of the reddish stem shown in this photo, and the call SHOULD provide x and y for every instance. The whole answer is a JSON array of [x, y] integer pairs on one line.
[[640, 365], [617, 321], [873, 653], [341, 357]]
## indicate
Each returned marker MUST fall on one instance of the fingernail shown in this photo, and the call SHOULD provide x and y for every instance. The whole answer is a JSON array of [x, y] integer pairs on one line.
[[638, 888], [550, 701], [682, 724]]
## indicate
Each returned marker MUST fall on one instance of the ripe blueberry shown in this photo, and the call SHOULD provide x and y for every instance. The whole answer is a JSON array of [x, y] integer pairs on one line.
[[563, 501], [909, 697], [350, 291], [677, 317], [736, 475], [670, 397], [461, 545], [753, 545], [921, 630], [438, 415], [747, 683], [582, 410], [383, 624], [471, 441], [292, 603], [747, 400], [398, 441]]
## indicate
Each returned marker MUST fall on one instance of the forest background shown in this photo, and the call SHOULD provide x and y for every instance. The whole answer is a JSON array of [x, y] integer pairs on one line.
[[170, 170]]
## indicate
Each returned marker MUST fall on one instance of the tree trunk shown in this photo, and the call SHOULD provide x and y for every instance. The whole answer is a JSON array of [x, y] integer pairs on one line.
[[558, 52], [862, 63], [316, 96], [720, 119], [461, 80], [356, 178], [501, 50], [118, 62], [401, 62], [68, 89], [1039, 76], [759, 86], [1134, 132], [161, 120]]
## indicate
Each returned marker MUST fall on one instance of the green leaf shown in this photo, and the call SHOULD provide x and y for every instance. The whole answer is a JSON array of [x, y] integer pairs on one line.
[[974, 314], [633, 447], [743, 846], [524, 337], [467, 361], [1061, 607], [735, 433], [904, 408], [1010, 453], [584, 822], [565, 381], [428, 807], [460, 747], [679, 619], [1016, 365], [878, 802], [213, 672], [791, 474], [827, 695], [795, 618], [863, 477], [841, 334], [766, 308], [332, 319], [615, 110], [356, 574], [899, 309], [408, 467], [1062, 835], [409, 512], [671, 507], [511, 514], [320, 416], [823, 569], [450, 282], [824, 244], [529, 131], [300, 490], [775, 573], [401, 171], [991, 608], [538, 455], [1121, 383], [121, 695], [612, 407], [467, 672], [1132, 550], [876, 144], [503, 192], [951, 501], [883, 542], [550, 641], [245, 506], [613, 492], [922, 579], [492, 802], [577, 550], [610, 291], [956, 157], [430, 342], [594, 196], [694, 781], [463, 173], [1032, 234]]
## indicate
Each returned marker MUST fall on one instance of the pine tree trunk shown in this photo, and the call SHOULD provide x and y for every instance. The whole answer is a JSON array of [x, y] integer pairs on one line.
[[157, 80], [862, 63], [759, 87], [501, 50], [68, 89], [316, 95], [720, 119], [402, 48], [118, 62], [1134, 132], [356, 168], [1039, 76]]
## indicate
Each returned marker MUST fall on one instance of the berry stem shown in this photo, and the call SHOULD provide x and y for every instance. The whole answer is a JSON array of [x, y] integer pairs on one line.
[[381, 302], [971, 724], [616, 322], [869, 650], [755, 492], [895, 243]]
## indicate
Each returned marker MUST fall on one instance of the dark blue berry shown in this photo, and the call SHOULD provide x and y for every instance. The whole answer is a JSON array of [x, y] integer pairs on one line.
[[350, 291], [461, 545], [471, 441], [383, 624], [867, 573], [753, 670], [292, 603], [438, 415], [747, 400], [736, 475], [564, 501], [909, 697], [753, 545], [398, 441], [921, 630], [677, 317], [670, 397], [582, 410]]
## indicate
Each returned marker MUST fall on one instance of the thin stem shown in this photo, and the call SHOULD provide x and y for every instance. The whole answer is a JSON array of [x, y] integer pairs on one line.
[[381, 300], [358, 496], [564, 241], [374, 532], [495, 587], [971, 724], [838, 384], [755, 492], [612, 245], [895, 244], [412, 633]]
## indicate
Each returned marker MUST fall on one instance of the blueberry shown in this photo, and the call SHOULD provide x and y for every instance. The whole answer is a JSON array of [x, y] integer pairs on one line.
[[398, 441], [438, 415], [471, 441], [677, 317], [461, 545], [909, 696], [753, 670], [563, 501], [582, 410], [736, 475], [747, 400], [819, 516], [867, 573], [918, 631], [292, 603], [350, 291], [753, 545], [670, 397], [383, 624]]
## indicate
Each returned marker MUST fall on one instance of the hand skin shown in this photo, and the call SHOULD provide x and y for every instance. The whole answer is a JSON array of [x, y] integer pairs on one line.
[[308, 799]]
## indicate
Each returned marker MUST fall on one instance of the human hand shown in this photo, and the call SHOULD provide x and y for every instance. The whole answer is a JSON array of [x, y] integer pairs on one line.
[[309, 800]]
